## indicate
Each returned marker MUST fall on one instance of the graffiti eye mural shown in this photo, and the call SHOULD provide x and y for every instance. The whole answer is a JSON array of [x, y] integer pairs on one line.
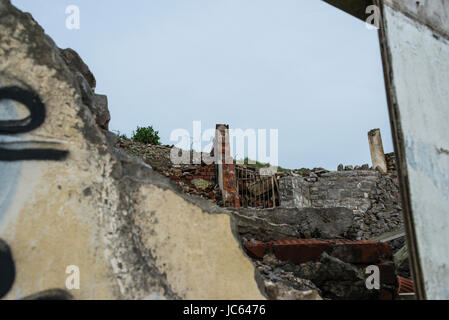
[[7, 269], [8, 275], [51, 294], [17, 150], [31, 101]]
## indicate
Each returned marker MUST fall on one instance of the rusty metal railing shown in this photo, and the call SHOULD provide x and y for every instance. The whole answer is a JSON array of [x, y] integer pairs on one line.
[[255, 190]]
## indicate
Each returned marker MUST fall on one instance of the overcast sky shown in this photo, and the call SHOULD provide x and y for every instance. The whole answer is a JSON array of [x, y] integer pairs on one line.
[[300, 66]]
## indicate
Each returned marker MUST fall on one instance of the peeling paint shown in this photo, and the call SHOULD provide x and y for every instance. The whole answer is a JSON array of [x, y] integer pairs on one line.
[[419, 81]]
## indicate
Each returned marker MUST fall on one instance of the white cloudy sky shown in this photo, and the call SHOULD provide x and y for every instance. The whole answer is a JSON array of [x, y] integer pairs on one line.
[[302, 67]]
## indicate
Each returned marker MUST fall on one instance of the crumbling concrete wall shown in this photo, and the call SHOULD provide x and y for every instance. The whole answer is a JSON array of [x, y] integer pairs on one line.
[[294, 192], [73, 199]]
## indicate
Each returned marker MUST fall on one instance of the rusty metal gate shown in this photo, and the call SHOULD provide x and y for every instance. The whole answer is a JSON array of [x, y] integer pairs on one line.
[[255, 190]]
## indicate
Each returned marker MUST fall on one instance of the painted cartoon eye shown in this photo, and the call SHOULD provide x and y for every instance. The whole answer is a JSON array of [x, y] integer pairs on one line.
[[51, 294], [31, 101], [17, 150], [7, 269], [8, 275]]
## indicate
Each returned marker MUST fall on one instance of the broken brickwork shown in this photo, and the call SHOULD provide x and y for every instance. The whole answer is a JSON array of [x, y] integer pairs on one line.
[[200, 180], [227, 177]]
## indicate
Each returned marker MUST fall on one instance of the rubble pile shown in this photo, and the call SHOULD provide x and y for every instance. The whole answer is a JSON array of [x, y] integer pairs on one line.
[[333, 269]]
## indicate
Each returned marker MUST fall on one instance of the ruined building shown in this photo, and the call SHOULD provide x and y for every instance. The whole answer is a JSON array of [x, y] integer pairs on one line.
[[140, 227], [314, 219]]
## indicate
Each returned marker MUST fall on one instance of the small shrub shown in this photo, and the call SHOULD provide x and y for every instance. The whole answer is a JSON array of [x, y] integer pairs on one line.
[[146, 135]]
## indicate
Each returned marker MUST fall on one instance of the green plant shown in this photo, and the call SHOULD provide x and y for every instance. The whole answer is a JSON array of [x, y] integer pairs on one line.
[[146, 135]]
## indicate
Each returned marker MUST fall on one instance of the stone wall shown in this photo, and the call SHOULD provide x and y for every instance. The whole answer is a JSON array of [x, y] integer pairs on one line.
[[391, 161], [347, 189], [371, 195], [294, 192], [197, 177]]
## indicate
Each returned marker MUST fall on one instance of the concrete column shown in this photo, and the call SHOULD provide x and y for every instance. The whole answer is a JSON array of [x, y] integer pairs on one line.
[[377, 150]]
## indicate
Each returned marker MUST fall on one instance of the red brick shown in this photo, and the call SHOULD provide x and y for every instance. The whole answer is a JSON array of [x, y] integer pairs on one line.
[[257, 249], [299, 250], [405, 285]]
